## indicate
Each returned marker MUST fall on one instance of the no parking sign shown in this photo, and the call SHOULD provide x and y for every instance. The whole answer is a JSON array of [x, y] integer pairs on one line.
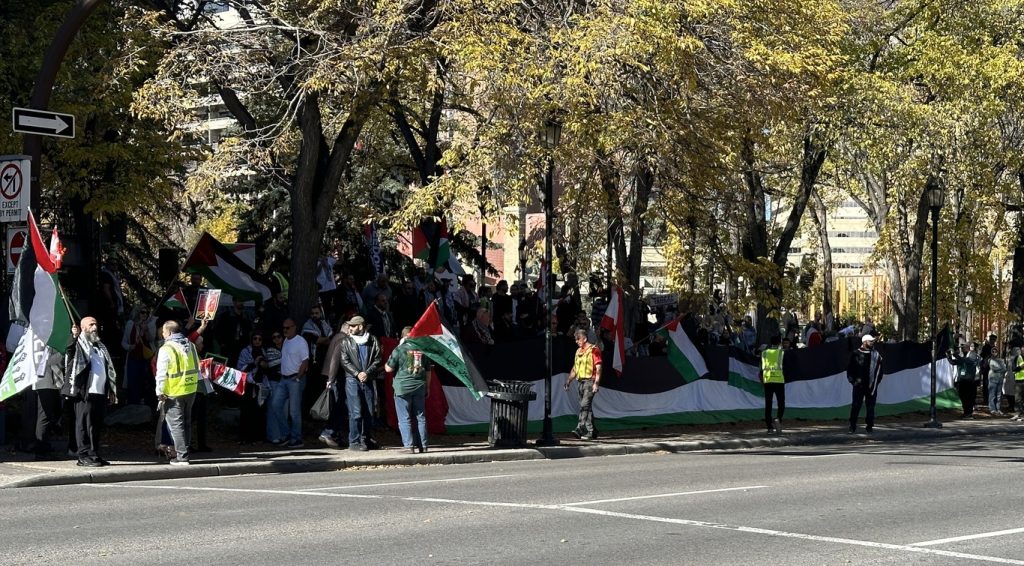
[[15, 180]]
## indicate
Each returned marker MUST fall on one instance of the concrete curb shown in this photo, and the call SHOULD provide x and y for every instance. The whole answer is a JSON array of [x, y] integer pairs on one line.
[[117, 474]]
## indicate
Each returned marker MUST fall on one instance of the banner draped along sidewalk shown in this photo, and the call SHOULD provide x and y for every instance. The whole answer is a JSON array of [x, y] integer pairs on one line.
[[652, 392]]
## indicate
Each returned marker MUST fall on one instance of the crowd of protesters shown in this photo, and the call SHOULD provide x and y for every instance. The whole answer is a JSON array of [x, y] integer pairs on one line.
[[347, 343], [343, 346]]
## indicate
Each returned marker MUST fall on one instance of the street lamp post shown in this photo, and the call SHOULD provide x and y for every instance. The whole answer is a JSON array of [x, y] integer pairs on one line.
[[552, 135], [936, 198]]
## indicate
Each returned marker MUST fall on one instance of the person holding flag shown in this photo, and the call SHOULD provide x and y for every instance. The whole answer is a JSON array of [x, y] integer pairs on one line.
[[586, 370], [412, 370], [91, 381], [177, 378]]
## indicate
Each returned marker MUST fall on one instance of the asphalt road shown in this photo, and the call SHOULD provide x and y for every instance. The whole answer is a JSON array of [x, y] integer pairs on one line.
[[941, 503]]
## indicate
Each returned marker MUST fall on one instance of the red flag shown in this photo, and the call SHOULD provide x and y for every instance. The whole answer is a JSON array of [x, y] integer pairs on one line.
[[57, 250], [227, 377], [614, 321]]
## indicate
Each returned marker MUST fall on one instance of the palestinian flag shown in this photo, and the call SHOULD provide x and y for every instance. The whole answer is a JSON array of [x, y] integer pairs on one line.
[[48, 316], [430, 242], [176, 301], [39, 306], [682, 353], [226, 271], [434, 339], [614, 321]]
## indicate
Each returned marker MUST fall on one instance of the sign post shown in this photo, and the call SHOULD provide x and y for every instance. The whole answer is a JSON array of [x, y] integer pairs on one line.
[[15, 176]]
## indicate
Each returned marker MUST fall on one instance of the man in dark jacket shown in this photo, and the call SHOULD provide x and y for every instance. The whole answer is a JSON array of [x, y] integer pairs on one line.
[[967, 363], [864, 373], [361, 359], [92, 382]]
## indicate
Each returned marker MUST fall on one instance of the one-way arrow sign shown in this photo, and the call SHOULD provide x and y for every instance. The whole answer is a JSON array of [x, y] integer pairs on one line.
[[28, 121]]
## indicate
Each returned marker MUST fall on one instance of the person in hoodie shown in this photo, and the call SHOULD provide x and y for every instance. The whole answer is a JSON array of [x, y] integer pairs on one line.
[[177, 377]]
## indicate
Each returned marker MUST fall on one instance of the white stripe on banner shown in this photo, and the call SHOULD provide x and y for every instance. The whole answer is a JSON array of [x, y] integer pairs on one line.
[[704, 395]]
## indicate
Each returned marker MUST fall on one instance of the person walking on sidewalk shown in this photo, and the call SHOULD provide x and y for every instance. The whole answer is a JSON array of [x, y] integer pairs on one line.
[[864, 372], [177, 378], [586, 370], [774, 383], [411, 369], [361, 358], [92, 382]]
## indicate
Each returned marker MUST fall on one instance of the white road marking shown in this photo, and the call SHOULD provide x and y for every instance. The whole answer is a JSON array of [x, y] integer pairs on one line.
[[576, 509], [596, 501], [823, 455], [784, 534], [969, 537], [407, 483], [233, 490]]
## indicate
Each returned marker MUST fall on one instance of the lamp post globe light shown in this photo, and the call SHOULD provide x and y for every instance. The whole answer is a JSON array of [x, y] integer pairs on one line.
[[552, 137], [936, 199]]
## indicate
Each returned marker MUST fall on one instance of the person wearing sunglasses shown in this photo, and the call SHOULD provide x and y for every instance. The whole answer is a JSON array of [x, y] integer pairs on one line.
[[286, 395]]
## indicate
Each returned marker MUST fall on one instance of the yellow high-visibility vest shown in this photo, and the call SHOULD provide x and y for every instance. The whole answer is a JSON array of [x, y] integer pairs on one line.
[[584, 363], [771, 365], [1019, 376], [182, 371]]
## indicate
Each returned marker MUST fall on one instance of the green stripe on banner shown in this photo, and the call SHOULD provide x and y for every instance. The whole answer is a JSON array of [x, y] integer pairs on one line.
[[681, 363], [948, 399], [755, 388]]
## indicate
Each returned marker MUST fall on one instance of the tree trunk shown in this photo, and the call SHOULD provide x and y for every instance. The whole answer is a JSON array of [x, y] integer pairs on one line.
[[819, 214], [912, 322], [754, 246], [627, 262], [319, 175]]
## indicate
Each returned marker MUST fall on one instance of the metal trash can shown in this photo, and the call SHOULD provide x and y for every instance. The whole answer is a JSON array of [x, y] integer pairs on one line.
[[510, 402]]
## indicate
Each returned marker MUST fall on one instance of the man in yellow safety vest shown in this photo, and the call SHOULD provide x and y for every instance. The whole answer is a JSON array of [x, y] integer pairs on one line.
[[177, 377], [1018, 385], [774, 384], [586, 370]]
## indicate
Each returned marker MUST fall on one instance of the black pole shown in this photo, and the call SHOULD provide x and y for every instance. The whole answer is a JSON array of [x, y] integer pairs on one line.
[[32, 144], [547, 438], [483, 245], [934, 421]]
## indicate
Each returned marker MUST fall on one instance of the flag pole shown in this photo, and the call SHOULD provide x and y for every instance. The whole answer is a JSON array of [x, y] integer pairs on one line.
[[67, 304]]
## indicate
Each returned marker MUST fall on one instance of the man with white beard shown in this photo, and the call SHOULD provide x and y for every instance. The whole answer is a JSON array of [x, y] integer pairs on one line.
[[91, 381]]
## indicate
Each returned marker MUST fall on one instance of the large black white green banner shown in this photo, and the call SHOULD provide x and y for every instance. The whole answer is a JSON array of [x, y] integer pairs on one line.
[[653, 392]]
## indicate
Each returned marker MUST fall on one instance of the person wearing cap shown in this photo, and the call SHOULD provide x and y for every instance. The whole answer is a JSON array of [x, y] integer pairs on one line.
[[864, 372], [360, 356], [91, 381]]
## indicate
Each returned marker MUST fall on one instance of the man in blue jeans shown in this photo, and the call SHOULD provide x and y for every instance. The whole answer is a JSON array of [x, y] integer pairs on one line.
[[286, 396], [361, 358], [411, 369]]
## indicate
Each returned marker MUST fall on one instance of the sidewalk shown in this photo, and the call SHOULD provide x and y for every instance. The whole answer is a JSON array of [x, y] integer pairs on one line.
[[21, 470]]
